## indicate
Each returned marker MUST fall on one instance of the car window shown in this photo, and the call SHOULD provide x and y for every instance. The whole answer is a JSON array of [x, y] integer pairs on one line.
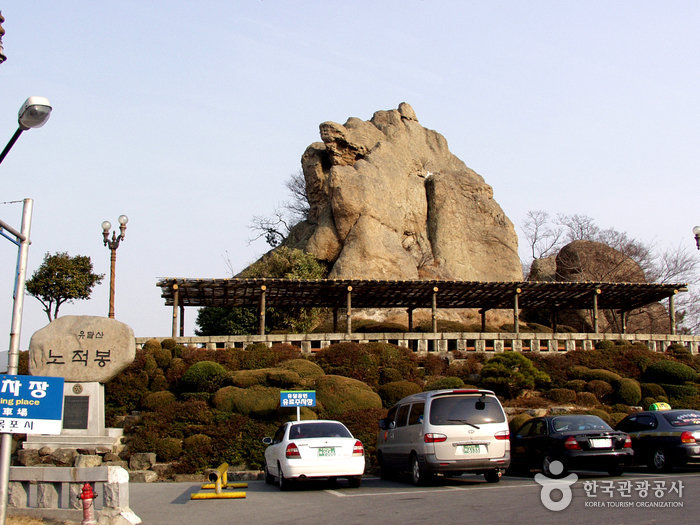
[[402, 416], [279, 435], [567, 423], [458, 410], [683, 418], [323, 429], [391, 416], [539, 428], [646, 422], [525, 429], [416, 415]]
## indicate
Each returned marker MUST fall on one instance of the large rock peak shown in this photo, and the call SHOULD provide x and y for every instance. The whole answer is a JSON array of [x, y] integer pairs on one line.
[[389, 201]]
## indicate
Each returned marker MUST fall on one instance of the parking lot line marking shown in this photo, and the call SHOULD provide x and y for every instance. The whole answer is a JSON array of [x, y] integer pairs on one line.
[[428, 491]]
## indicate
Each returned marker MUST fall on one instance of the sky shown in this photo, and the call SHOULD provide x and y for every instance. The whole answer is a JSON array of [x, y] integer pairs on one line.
[[189, 117]]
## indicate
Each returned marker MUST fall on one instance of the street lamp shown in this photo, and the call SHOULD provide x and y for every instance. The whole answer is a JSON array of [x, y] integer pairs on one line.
[[113, 245], [696, 231], [33, 114]]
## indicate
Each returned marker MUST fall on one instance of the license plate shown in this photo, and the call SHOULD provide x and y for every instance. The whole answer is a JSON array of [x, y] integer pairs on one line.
[[600, 443], [325, 452], [471, 449]]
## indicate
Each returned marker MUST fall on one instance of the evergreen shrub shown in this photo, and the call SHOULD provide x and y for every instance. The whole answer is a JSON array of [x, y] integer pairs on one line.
[[392, 393]]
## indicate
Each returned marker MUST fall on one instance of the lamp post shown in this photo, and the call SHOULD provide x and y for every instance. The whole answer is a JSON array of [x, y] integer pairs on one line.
[[696, 231], [33, 114], [113, 245]]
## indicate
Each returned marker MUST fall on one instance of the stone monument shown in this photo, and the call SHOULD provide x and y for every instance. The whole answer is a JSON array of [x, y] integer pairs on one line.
[[87, 351]]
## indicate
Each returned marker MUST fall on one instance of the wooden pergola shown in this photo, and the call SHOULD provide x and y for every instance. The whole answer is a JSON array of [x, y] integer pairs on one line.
[[411, 294]]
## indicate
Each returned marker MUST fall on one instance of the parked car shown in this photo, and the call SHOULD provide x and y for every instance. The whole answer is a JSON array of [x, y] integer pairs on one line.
[[302, 450], [664, 439], [579, 442], [445, 431]]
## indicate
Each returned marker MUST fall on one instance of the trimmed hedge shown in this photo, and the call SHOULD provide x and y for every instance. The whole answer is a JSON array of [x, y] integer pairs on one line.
[[445, 383], [628, 392], [670, 372], [204, 376], [392, 393]]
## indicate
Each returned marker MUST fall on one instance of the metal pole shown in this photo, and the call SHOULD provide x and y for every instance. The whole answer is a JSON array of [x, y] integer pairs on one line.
[[10, 144], [112, 274], [13, 356]]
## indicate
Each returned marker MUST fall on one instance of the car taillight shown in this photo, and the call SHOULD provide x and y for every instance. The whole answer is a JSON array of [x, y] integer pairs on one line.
[[571, 444], [628, 442], [292, 451], [502, 434], [434, 438], [687, 437], [358, 449]]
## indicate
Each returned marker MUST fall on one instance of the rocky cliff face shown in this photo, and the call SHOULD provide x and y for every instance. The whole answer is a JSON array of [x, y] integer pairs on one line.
[[389, 201]]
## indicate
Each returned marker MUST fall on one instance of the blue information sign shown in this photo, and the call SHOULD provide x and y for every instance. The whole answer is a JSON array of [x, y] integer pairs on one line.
[[298, 398], [31, 404]]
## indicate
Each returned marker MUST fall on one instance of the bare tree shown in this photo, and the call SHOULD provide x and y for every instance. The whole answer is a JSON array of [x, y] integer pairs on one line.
[[543, 238], [275, 228]]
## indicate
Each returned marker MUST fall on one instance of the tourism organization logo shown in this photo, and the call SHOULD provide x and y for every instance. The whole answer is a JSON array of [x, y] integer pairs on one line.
[[600, 494], [563, 485]]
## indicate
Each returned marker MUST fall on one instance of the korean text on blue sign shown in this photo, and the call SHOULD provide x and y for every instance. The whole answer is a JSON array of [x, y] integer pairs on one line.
[[298, 398], [31, 404]]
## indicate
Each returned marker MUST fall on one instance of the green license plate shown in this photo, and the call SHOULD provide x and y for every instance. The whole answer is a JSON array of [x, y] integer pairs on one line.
[[471, 449], [325, 452]]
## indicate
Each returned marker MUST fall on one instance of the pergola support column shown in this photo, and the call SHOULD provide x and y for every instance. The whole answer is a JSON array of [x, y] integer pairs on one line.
[[182, 320], [348, 311], [261, 310], [595, 311], [335, 320], [672, 312], [516, 312], [176, 299], [409, 311], [435, 291]]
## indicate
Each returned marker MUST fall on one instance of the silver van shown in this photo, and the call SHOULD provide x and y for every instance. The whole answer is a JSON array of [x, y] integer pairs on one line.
[[445, 431]]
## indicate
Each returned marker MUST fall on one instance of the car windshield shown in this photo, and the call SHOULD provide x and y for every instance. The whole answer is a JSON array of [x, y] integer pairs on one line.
[[573, 423], [318, 430], [469, 410], [683, 418]]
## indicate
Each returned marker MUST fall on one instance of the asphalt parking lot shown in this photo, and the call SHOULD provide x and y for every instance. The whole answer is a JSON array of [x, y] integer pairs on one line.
[[594, 498]]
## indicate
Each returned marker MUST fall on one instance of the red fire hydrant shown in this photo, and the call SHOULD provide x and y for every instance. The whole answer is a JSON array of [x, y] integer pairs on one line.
[[88, 497]]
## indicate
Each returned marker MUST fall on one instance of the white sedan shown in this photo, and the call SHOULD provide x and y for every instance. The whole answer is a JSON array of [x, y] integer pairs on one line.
[[313, 449]]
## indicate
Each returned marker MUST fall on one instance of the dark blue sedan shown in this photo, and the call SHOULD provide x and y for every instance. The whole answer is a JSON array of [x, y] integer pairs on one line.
[[579, 442]]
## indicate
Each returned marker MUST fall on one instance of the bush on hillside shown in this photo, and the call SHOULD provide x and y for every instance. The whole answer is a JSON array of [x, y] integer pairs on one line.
[[577, 385], [627, 392], [587, 399], [445, 383], [337, 394], [671, 372], [349, 360], [305, 368], [158, 400], [600, 389], [204, 376], [562, 395], [392, 393], [168, 449], [509, 372]]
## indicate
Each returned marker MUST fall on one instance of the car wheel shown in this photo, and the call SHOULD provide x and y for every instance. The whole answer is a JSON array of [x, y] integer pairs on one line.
[[547, 468], [282, 482], [354, 482], [659, 461], [269, 478], [419, 475], [492, 476]]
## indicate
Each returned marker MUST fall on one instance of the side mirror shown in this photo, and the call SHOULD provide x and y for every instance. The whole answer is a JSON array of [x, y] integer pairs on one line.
[[267, 440], [383, 424]]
